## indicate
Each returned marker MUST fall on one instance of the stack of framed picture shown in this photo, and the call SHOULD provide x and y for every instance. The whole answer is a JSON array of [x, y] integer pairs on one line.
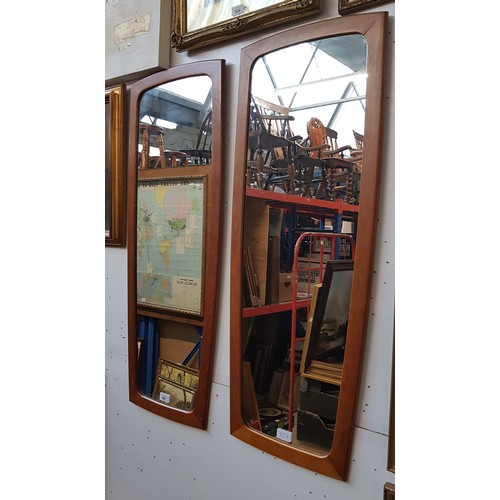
[[175, 385]]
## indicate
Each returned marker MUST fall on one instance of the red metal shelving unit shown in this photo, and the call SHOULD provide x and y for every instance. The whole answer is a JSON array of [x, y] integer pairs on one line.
[[311, 269], [311, 207]]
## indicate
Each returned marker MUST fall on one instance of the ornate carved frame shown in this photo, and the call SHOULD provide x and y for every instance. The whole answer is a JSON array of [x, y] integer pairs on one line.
[[248, 22]]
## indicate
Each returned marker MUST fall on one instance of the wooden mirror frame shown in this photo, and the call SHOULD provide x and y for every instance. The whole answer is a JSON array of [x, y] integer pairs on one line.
[[212, 230], [115, 187], [373, 27], [245, 23]]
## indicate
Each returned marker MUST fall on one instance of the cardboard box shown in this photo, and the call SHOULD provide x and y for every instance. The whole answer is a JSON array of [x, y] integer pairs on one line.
[[286, 287], [176, 341]]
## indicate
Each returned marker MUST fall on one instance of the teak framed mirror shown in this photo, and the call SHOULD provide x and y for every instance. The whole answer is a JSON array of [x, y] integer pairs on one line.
[[295, 201], [174, 229]]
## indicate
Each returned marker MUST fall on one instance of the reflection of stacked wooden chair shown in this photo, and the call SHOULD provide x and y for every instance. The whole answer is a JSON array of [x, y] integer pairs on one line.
[[201, 154], [308, 158], [320, 151], [152, 136], [270, 144], [357, 154]]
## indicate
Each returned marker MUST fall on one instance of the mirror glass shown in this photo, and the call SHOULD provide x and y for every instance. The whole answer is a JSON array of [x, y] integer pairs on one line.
[[173, 234], [176, 115], [174, 131], [307, 201], [324, 88], [326, 81]]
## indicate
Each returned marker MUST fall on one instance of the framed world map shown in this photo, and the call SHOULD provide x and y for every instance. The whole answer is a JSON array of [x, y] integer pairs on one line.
[[170, 243]]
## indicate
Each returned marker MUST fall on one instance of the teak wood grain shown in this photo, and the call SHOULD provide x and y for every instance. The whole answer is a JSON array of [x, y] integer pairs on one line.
[[213, 230], [373, 27]]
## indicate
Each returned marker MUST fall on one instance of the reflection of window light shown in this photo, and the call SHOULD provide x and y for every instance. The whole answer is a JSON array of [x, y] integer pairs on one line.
[[195, 88], [159, 122], [153, 151], [166, 124], [356, 77]]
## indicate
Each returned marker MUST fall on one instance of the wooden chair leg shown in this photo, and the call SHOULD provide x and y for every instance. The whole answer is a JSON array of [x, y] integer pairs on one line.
[[161, 147], [260, 169], [145, 151], [291, 178], [322, 185]]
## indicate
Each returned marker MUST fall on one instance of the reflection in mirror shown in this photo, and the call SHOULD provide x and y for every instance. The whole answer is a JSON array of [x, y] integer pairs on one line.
[[175, 124], [322, 357], [172, 295], [304, 118], [307, 201], [323, 93]]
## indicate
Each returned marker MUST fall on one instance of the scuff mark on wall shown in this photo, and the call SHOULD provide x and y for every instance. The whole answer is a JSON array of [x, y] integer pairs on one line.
[[132, 28]]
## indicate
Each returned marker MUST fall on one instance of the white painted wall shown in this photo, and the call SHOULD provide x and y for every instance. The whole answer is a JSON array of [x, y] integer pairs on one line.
[[150, 458]]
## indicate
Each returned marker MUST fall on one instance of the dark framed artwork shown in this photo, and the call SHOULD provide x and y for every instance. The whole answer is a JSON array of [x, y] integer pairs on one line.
[[114, 167], [348, 6], [330, 321], [198, 23]]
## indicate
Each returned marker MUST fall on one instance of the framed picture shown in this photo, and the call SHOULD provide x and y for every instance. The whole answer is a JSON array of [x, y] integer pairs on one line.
[[171, 394], [391, 451], [198, 23], [328, 329], [180, 374], [170, 243], [284, 394], [389, 491], [114, 167], [348, 6]]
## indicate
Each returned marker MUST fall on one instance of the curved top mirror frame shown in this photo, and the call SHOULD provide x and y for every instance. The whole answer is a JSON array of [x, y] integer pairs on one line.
[[213, 173], [373, 27]]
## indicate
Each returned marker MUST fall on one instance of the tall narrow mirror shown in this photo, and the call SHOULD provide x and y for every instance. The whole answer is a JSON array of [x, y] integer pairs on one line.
[[304, 223], [174, 197]]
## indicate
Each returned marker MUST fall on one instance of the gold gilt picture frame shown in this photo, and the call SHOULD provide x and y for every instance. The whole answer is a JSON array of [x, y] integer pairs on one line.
[[391, 452], [171, 394], [180, 374], [114, 166], [198, 23], [348, 6], [389, 491]]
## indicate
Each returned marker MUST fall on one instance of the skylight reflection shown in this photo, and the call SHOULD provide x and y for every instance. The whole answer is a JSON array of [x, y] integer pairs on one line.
[[312, 83]]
